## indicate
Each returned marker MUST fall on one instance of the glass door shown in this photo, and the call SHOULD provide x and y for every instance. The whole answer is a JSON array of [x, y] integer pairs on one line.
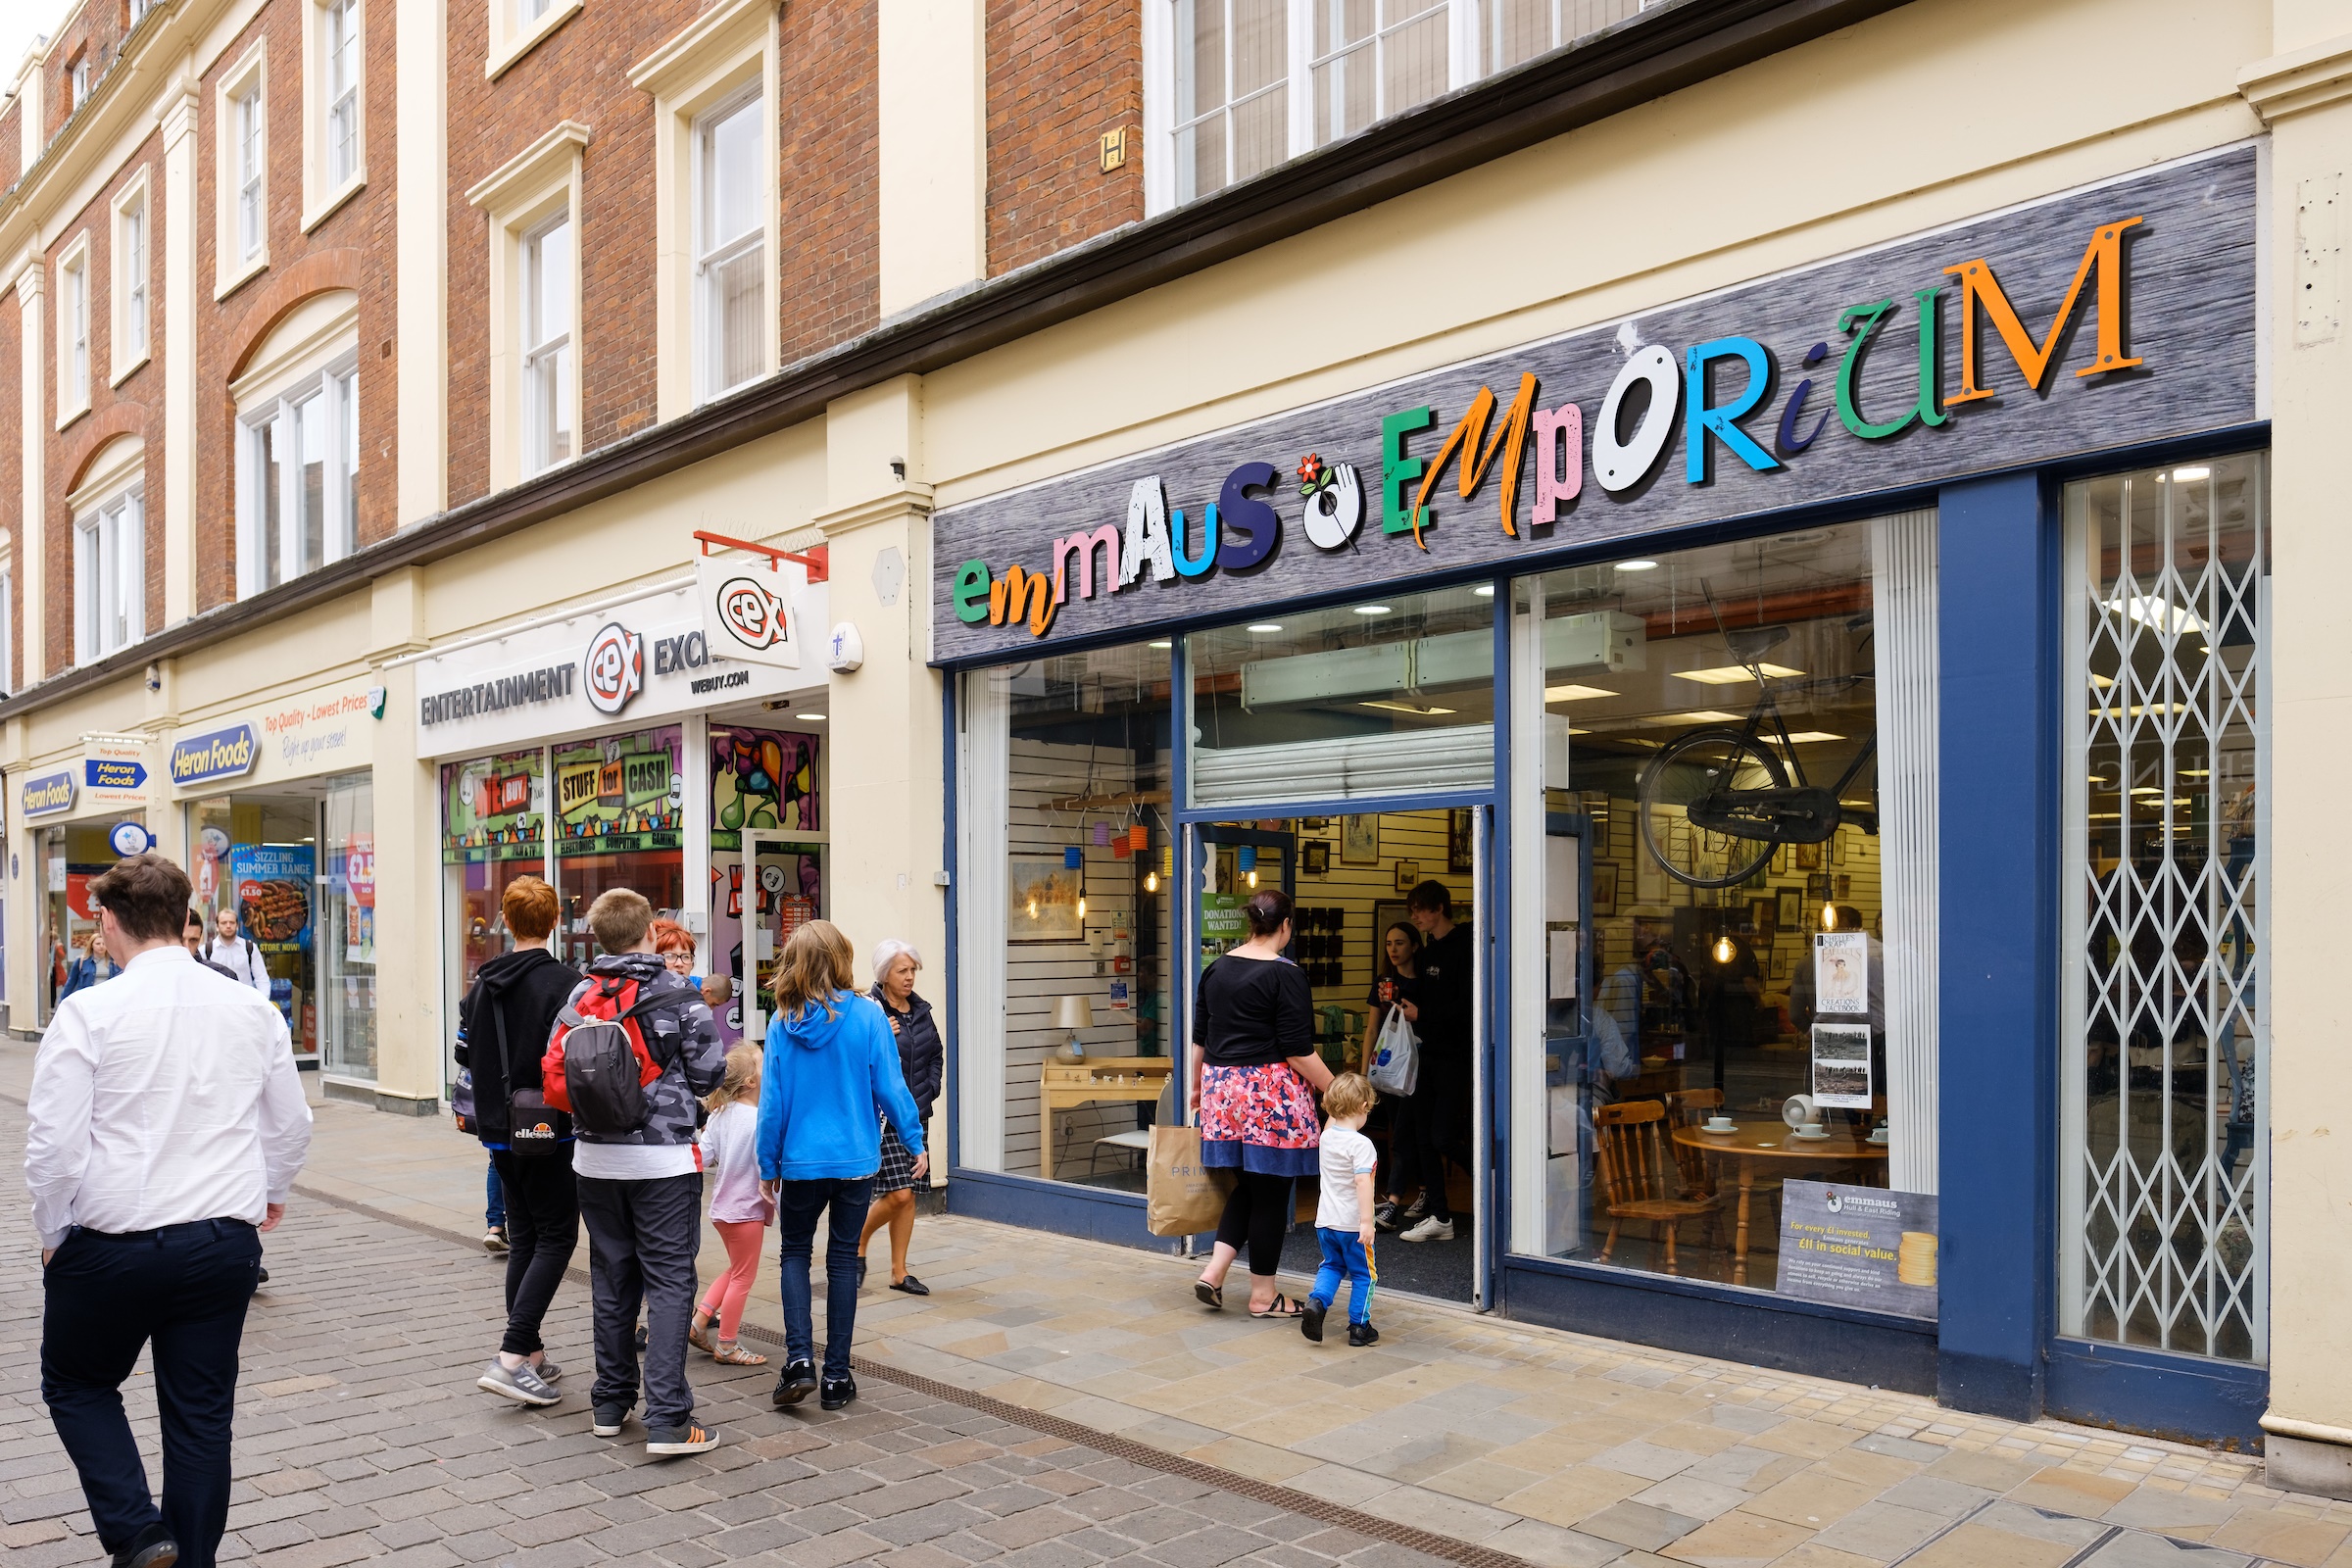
[[346, 928], [784, 889]]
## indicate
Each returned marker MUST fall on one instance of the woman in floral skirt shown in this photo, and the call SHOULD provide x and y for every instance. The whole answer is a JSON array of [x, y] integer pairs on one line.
[[1252, 1091]]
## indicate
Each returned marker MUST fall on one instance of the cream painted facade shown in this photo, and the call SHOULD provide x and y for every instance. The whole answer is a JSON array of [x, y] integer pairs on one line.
[[1916, 118]]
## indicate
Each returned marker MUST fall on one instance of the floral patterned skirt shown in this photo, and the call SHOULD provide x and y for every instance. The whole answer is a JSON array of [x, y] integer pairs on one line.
[[1259, 1119]]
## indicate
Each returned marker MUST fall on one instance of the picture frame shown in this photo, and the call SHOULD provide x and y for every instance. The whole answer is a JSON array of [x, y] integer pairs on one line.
[[1457, 841], [1792, 912], [1359, 839], [1409, 875], [1764, 917], [1845, 886], [1605, 890], [1779, 859], [1808, 856], [1838, 848], [1041, 899], [1315, 857], [1817, 884], [1314, 824], [1385, 912]]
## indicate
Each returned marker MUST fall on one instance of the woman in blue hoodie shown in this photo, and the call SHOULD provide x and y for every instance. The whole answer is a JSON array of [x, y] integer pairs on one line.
[[830, 1077]]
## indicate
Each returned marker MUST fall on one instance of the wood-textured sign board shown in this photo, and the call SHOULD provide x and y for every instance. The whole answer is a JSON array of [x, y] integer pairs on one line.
[[2175, 291]]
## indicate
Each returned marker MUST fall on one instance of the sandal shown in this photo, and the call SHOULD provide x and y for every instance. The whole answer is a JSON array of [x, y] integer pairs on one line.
[[698, 1334], [1212, 1296], [1283, 1306], [730, 1354]]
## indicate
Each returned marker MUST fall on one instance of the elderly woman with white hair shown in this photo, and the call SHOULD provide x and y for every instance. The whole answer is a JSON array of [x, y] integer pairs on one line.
[[922, 1060]]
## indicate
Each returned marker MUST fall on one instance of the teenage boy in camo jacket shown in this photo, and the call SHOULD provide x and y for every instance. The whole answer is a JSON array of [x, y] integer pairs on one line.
[[641, 1194]]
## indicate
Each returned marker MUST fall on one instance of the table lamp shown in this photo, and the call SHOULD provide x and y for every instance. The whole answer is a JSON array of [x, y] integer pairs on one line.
[[1072, 1014]]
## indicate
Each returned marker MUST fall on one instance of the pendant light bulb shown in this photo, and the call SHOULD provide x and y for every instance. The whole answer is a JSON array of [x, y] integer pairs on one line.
[[1081, 906], [1151, 881], [1253, 879], [1829, 917], [1725, 952]]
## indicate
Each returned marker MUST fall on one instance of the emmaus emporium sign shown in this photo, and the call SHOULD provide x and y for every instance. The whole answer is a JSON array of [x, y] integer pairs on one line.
[[2107, 317]]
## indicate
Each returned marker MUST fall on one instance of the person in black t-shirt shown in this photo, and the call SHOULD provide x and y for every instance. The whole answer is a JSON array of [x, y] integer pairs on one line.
[[1441, 1015]]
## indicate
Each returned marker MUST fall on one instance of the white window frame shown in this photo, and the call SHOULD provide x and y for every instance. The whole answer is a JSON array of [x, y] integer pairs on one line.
[[132, 296], [139, 10], [8, 631], [74, 345], [546, 355], [713, 61], [110, 554], [311, 363], [77, 82], [335, 97], [242, 187], [515, 29], [713, 252], [521, 199]]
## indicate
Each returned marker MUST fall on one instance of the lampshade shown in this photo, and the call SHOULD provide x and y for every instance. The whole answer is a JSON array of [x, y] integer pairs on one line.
[[1072, 857], [1248, 858], [1139, 837], [1073, 1012], [1102, 835]]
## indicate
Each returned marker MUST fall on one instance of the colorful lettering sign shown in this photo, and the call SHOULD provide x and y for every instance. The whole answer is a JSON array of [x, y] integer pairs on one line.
[[620, 792], [492, 809]]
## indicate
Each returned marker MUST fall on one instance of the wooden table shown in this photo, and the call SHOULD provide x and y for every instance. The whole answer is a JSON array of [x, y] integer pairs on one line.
[[1757, 1144], [1064, 1086]]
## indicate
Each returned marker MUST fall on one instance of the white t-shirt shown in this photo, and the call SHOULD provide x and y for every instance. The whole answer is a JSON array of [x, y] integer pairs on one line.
[[1346, 1155]]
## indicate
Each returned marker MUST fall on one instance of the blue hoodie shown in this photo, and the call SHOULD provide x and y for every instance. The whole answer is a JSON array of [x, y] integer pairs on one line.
[[821, 1083]]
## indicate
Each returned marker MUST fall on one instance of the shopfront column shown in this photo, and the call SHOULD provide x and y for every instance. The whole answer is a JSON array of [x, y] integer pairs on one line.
[[412, 1033], [2304, 92]]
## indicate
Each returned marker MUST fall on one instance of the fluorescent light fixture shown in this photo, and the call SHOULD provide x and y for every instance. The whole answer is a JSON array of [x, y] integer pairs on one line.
[[2140, 710], [2191, 475], [1265, 625], [2197, 772], [2099, 682], [1162, 644], [2106, 816], [2145, 789], [1703, 715], [1574, 694], [1371, 609], [1403, 707], [1733, 674], [2151, 610], [810, 719], [1807, 737], [1636, 566], [1573, 730], [1485, 590]]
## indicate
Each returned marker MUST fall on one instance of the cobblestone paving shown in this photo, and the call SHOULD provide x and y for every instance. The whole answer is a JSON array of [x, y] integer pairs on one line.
[[361, 1437]]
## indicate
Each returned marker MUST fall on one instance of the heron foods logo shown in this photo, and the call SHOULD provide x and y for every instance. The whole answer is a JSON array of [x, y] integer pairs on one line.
[[613, 669], [1241, 530]]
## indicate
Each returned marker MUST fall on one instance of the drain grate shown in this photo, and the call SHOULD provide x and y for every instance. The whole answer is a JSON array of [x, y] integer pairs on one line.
[[1425, 1541]]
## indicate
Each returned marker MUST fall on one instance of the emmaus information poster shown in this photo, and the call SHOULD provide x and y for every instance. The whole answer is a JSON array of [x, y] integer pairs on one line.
[[1860, 1247]]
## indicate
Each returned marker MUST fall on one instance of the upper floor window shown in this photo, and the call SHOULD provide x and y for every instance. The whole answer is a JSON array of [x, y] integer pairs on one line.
[[73, 330], [110, 576], [529, 11], [131, 279], [241, 166], [137, 10], [298, 475], [77, 82], [246, 132], [341, 23], [547, 353], [1249, 83], [730, 228]]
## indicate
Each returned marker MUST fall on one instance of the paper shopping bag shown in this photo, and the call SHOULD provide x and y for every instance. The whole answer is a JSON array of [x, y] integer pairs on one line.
[[1181, 1195]]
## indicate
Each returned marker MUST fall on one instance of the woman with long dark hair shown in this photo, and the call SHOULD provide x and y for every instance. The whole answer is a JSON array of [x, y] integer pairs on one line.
[[1399, 982], [1253, 1086]]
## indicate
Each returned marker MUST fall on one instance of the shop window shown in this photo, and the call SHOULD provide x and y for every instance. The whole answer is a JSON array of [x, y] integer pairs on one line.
[[1724, 1020], [67, 858], [1065, 890], [617, 812], [346, 926], [769, 850], [2164, 1038], [1391, 696], [493, 830], [110, 576], [256, 855]]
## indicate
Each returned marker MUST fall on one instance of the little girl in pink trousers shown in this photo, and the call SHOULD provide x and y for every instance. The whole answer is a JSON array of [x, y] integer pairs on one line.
[[731, 1167]]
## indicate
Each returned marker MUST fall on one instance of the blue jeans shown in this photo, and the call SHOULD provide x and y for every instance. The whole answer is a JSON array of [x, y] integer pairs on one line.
[[797, 1204], [1345, 1257], [494, 1195]]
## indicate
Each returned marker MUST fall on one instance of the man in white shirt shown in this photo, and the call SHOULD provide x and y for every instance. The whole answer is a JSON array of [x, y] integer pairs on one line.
[[236, 954], [167, 1127]]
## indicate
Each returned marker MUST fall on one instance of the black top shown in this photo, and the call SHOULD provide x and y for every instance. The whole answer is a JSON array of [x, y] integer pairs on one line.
[[1253, 1011], [528, 987], [921, 1058], [1404, 988], [1444, 994]]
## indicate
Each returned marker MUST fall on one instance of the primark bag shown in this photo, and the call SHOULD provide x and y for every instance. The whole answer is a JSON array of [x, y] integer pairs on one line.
[[1395, 1055], [1181, 1195]]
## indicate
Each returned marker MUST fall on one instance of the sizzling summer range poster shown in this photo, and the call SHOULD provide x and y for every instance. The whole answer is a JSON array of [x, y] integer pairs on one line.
[[492, 809], [620, 792]]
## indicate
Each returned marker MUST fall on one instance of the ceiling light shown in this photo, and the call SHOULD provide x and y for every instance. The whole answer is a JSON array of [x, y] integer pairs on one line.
[[1371, 609], [1485, 590], [1403, 707], [2150, 609], [2197, 772], [1574, 694], [2106, 816], [1160, 645], [810, 719], [2191, 475], [2145, 789], [2099, 682], [1265, 625], [1636, 566], [1806, 737], [1733, 674]]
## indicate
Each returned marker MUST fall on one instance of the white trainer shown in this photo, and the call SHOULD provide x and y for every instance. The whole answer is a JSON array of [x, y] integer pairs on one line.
[[1432, 1229]]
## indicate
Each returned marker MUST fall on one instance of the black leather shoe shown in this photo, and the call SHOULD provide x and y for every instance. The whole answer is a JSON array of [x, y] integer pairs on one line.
[[1361, 1335], [153, 1547], [910, 1285], [861, 1273], [796, 1382], [838, 1392]]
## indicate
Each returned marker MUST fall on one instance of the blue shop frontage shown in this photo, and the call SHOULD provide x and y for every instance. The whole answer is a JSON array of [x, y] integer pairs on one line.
[[1834, 707]]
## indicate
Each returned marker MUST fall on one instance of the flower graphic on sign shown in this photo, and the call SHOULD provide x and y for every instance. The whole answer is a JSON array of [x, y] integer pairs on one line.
[[1335, 500], [614, 671]]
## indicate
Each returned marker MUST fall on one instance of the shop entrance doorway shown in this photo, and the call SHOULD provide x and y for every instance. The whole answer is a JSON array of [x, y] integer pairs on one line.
[[784, 888], [1350, 878]]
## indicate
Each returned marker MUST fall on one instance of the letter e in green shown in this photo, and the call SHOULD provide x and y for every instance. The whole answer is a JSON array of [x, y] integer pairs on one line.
[[972, 592], [1397, 470]]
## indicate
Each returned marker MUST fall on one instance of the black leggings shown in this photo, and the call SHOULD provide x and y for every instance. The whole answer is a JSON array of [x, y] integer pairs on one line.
[[1257, 1212], [543, 1227]]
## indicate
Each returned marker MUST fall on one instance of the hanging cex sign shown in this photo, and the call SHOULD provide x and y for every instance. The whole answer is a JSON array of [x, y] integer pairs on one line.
[[747, 610], [2111, 315]]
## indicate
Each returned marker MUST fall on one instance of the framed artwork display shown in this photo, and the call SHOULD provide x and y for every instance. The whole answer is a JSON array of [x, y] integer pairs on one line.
[[1845, 886], [1838, 848], [1042, 900], [1314, 824], [1764, 914], [1605, 890], [1457, 841], [1818, 884], [1779, 859], [1315, 857], [1359, 839], [1408, 873], [1792, 911], [1808, 856]]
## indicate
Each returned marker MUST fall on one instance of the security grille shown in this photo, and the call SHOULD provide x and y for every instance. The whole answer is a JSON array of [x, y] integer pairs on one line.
[[2162, 1236]]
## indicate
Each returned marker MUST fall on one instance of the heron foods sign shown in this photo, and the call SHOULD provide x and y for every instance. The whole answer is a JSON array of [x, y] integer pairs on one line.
[[2104, 317]]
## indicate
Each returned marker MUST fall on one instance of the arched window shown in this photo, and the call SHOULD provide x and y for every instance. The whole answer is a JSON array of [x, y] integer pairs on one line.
[[298, 444]]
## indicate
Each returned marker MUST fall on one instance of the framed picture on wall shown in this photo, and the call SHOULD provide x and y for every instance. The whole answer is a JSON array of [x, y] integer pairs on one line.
[[1605, 890], [1457, 841], [1359, 839], [1386, 914], [1808, 856], [1764, 917], [1042, 900], [1792, 912], [1845, 886], [1817, 885], [1408, 873], [1314, 824], [1779, 859], [1838, 848], [1315, 857]]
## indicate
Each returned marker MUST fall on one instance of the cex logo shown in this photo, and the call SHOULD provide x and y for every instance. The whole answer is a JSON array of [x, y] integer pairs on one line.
[[613, 668]]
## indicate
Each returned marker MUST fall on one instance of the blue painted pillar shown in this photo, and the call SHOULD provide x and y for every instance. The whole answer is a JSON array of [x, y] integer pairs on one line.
[[1998, 602]]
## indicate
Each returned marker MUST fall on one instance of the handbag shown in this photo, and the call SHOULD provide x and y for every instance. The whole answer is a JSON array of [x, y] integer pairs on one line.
[[533, 1126], [1181, 1195], [1395, 1055]]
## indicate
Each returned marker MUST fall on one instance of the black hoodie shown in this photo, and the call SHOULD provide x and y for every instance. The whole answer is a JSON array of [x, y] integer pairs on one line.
[[528, 987]]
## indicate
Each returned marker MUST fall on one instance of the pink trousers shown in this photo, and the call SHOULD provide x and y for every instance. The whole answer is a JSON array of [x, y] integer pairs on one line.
[[727, 1294]]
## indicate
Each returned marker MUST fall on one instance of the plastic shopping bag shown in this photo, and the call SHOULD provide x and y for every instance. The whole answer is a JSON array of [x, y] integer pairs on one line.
[[1395, 1055], [1181, 1195]]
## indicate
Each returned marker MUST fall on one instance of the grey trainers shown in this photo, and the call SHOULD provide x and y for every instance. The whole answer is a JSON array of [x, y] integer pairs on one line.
[[549, 1372], [609, 1419], [689, 1439], [521, 1384]]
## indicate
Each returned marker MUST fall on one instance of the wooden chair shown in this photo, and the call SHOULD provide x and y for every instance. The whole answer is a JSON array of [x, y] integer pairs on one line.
[[1633, 1141], [1688, 1108]]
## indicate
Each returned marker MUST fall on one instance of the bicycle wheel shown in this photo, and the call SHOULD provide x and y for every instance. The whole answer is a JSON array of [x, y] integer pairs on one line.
[[1704, 764]]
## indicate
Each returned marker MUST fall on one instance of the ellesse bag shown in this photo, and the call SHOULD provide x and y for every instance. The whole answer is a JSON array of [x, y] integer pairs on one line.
[[533, 1126]]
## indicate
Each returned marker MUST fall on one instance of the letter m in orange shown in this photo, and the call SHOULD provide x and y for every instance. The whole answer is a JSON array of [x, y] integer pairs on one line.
[[1979, 288], [1022, 594]]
